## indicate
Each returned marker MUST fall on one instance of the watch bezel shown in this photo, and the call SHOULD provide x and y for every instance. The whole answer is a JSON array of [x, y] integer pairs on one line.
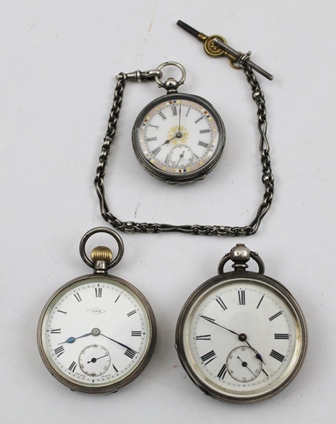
[[105, 387], [179, 178], [223, 279]]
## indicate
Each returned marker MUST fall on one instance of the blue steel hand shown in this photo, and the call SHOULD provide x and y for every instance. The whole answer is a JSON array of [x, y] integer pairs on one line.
[[73, 339]]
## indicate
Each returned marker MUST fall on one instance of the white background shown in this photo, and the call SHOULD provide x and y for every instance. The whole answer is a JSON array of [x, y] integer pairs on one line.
[[58, 62]]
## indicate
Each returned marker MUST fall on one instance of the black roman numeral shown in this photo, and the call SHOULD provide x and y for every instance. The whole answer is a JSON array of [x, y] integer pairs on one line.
[[222, 372], [276, 355], [265, 372], [204, 131], [59, 351], [151, 139], [162, 115], [199, 119], [220, 302], [262, 298], [77, 296], [281, 336], [136, 333], [131, 313], [98, 291], [72, 366], [156, 150], [174, 110], [55, 331], [275, 316], [204, 337], [202, 144], [208, 357], [241, 297], [62, 312], [130, 353]]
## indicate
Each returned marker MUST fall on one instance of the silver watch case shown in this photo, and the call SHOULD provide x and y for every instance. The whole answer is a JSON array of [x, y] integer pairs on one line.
[[183, 177], [113, 386], [221, 279]]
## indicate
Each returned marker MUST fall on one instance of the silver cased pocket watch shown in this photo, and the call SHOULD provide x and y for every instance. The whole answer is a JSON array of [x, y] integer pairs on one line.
[[97, 332], [241, 336], [178, 137]]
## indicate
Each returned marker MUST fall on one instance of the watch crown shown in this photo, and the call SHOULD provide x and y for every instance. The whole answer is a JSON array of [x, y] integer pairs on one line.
[[101, 256], [240, 254], [101, 253]]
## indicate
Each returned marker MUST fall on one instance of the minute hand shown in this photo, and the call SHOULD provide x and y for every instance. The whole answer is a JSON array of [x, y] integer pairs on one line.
[[115, 341], [179, 125], [212, 321]]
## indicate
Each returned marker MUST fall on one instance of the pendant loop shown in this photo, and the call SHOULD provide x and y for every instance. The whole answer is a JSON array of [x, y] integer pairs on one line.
[[107, 264], [171, 84], [240, 255]]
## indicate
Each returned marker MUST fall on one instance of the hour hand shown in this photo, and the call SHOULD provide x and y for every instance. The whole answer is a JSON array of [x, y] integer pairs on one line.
[[258, 356], [73, 339], [168, 140]]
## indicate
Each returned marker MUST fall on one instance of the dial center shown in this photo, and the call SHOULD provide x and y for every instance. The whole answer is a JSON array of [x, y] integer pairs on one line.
[[178, 134], [95, 331], [242, 337]]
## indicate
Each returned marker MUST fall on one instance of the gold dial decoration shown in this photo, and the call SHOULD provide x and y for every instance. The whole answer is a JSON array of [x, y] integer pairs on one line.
[[178, 135]]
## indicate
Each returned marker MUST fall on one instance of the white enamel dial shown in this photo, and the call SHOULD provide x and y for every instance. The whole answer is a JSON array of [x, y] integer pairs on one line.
[[242, 339], [178, 137], [96, 333]]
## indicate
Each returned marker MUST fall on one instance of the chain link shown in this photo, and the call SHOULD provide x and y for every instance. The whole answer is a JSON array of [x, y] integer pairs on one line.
[[144, 227]]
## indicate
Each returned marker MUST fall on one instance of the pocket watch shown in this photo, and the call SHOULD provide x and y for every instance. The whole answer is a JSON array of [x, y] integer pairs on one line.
[[241, 336], [178, 137], [97, 332]]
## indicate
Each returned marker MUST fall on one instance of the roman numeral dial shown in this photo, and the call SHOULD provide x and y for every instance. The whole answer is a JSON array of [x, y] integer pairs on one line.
[[95, 331], [178, 138], [241, 336]]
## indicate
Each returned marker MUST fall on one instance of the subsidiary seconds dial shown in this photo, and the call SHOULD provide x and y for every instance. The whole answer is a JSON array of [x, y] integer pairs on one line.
[[178, 138]]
